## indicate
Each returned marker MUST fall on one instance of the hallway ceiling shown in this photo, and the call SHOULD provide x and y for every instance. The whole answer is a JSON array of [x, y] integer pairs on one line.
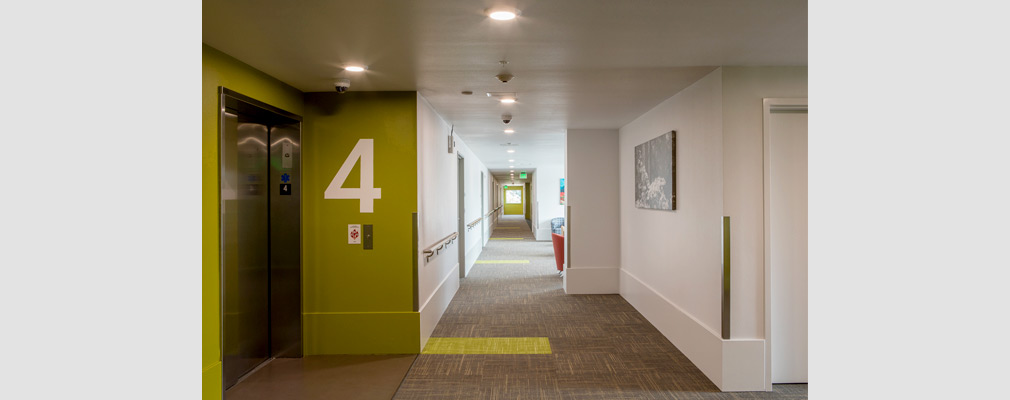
[[578, 64]]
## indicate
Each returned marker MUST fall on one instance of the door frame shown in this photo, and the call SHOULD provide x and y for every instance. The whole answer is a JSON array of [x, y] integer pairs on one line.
[[461, 211], [796, 103]]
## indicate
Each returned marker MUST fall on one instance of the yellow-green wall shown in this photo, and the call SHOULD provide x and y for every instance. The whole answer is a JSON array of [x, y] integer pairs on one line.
[[354, 301], [513, 209], [219, 69], [358, 301], [526, 199]]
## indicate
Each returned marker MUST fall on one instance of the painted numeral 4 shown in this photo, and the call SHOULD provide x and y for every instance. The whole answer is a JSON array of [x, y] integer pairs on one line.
[[365, 194]]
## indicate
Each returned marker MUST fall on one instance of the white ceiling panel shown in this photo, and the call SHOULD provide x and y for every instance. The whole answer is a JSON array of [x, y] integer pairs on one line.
[[578, 64]]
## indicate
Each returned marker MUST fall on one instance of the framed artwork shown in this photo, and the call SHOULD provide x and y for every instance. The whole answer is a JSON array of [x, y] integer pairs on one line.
[[656, 173], [513, 196], [562, 191]]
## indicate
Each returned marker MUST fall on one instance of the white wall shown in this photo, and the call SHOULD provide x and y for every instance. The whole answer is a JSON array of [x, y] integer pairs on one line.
[[594, 249], [678, 252], [743, 177], [472, 167], [547, 180], [670, 260], [438, 279]]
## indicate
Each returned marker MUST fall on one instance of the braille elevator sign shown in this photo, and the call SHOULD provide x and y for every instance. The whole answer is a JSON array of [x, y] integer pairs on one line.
[[285, 189]]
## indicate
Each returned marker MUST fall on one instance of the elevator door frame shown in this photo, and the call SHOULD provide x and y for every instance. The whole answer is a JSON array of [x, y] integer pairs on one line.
[[293, 347]]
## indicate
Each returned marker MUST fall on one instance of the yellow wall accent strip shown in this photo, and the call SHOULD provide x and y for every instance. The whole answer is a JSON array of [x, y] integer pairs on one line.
[[505, 345], [503, 261], [506, 238]]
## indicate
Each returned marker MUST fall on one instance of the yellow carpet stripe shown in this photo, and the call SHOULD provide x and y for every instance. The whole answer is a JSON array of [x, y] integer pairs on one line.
[[494, 345], [503, 261], [506, 238]]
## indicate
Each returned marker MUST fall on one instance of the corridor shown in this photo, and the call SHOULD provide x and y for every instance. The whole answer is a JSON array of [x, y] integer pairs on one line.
[[600, 347]]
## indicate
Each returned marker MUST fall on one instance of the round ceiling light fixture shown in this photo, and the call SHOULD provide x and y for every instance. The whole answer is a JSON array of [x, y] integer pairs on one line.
[[355, 68], [511, 151], [512, 160], [502, 14]]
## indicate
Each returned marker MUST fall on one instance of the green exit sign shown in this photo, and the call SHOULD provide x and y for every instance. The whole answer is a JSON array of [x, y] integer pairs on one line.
[[522, 175]]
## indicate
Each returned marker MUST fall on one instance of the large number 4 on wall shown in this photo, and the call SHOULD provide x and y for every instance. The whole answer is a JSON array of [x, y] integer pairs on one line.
[[366, 193]]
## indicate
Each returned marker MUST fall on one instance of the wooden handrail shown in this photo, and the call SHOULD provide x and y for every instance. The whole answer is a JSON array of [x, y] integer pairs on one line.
[[474, 223], [433, 250]]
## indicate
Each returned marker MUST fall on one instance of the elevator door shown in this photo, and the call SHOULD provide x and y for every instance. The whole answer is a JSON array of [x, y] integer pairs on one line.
[[246, 260], [260, 235]]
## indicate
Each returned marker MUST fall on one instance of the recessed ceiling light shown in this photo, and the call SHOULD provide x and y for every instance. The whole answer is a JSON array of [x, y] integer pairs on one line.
[[510, 131], [502, 14], [512, 170], [508, 101], [511, 151], [512, 160], [354, 68]]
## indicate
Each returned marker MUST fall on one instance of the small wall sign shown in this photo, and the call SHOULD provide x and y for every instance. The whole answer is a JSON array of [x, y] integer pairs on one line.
[[354, 234]]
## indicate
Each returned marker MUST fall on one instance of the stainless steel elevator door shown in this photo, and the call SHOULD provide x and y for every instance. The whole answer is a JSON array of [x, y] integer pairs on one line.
[[245, 247], [260, 234], [285, 240]]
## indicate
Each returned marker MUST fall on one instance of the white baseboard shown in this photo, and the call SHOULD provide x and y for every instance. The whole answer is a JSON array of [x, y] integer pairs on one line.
[[591, 280], [732, 365], [543, 234], [431, 311]]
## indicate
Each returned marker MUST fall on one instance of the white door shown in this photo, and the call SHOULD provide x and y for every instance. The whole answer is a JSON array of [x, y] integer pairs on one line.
[[786, 130]]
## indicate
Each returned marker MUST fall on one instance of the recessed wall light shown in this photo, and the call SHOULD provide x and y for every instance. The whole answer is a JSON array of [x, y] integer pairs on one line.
[[502, 14], [355, 68], [510, 131]]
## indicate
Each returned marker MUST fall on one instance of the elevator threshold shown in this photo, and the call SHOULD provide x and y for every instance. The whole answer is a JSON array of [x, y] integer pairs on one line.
[[319, 377], [253, 371]]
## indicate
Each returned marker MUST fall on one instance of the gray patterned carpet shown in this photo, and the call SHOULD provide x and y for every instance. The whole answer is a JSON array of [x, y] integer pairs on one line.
[[602, 347]]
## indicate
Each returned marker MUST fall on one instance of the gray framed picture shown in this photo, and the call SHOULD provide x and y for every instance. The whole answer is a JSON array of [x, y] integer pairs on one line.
[[656, 173]]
